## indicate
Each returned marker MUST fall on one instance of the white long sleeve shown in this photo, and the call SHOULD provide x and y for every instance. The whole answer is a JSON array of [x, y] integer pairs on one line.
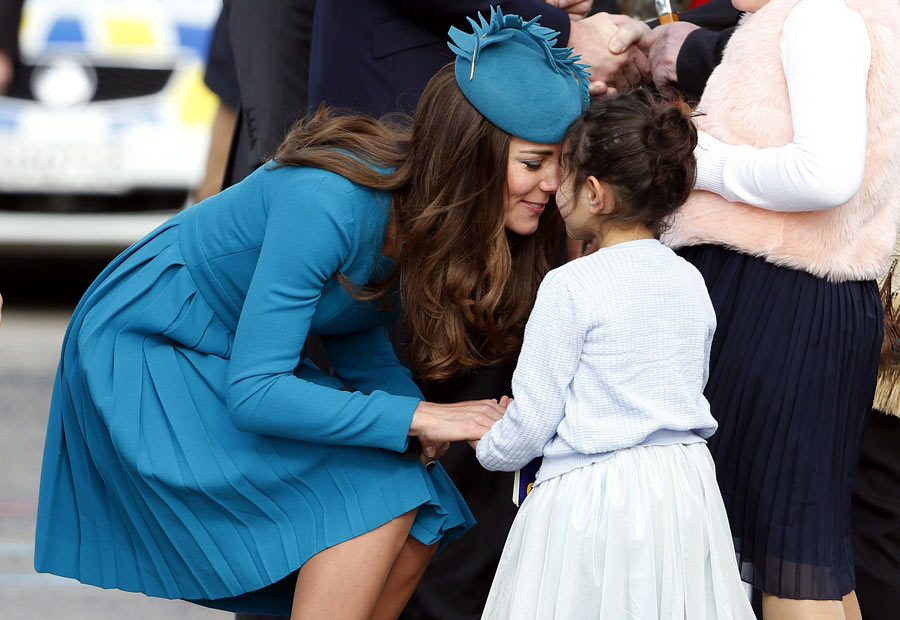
[[825, 53], [547, 363]]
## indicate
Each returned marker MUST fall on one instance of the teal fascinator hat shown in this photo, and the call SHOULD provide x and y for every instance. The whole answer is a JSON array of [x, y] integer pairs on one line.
[[511, 72]]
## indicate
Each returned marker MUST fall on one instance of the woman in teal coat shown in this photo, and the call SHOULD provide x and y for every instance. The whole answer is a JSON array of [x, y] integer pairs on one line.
[[193, 452]]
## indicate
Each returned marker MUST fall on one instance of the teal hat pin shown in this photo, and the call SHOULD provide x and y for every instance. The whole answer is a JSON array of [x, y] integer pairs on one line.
[[511, 72]]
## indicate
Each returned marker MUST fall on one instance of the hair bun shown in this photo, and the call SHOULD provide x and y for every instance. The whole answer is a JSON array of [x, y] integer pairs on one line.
[[671, 134], [643, 148], [671, 137]]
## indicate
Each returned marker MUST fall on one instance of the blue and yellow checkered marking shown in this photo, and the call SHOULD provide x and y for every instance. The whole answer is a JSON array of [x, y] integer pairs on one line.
[[195, 38], [66, 30], [124, 32]]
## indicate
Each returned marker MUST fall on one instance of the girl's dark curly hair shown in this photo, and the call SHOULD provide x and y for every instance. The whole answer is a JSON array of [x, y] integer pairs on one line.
[[643, 148]]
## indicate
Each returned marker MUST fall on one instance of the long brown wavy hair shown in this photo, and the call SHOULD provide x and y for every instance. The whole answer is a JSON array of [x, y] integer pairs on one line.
[[466, 283]]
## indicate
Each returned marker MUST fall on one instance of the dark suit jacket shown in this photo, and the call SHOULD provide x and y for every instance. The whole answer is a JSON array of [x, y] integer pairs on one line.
[[221, 76], [270, 40], [702, 50], [375, 56], [10, 15]]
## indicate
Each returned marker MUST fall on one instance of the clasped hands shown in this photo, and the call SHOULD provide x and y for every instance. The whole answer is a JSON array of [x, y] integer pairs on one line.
[[624, 53], [436, 425]]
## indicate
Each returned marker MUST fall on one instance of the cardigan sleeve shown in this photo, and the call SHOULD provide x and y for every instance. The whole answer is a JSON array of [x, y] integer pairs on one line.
[[554, 338], [305, 243], [825, 53]]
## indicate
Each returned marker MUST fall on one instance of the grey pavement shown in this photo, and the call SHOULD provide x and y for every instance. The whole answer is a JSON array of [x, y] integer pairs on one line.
[[29, 347]]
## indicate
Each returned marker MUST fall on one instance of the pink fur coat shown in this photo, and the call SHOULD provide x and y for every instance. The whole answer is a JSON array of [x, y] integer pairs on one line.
[[746, 102]]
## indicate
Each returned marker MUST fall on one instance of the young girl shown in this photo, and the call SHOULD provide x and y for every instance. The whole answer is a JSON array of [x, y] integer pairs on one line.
[[625, 519]]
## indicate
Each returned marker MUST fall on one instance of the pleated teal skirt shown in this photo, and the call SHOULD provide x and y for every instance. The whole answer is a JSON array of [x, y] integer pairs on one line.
[[148, 487]]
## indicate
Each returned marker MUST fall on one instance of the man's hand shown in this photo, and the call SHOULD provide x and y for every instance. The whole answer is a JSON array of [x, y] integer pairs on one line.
[[577, 9], [609, 44], [662, 46]]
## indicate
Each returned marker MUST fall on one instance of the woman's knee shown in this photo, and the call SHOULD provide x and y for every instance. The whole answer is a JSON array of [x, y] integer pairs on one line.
[[776, 608]]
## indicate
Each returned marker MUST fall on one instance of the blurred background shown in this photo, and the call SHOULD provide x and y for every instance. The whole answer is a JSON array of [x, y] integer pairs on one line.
[[105, 127], [105, 132]]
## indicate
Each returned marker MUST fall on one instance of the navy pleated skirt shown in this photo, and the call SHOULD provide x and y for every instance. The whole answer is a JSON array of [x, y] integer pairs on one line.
[[792, 377]]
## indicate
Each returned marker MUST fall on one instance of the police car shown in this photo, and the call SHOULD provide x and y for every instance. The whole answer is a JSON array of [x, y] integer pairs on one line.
[[106, 130]]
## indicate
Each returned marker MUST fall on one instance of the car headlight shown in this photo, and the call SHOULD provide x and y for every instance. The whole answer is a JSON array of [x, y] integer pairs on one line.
[[64, 82]]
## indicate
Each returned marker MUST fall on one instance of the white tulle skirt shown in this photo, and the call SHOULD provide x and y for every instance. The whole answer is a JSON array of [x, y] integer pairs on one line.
[[642, 535]]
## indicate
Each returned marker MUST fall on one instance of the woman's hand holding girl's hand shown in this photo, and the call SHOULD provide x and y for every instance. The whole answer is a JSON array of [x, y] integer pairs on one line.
[[504, 403], [435, 424]]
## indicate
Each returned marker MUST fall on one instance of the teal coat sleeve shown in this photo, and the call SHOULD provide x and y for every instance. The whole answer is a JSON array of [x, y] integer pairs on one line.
[[366, 361], [308, 237]]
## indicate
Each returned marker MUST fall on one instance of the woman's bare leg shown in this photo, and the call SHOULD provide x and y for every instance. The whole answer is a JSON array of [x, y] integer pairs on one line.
[[851, 607], [346, 580], [775, 608], [403, 579]]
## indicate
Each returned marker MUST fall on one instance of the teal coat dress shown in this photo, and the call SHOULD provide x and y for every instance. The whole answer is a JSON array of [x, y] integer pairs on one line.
[[191, 451]]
